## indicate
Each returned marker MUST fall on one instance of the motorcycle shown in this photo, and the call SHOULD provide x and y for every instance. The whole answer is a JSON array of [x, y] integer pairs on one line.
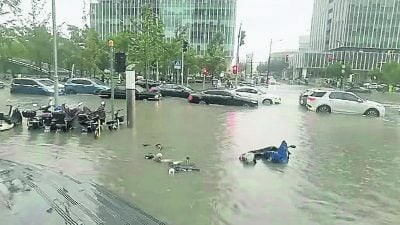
[[33, 121], [14, 118], [271, 154], [91, 121], [116, 122], [64, 117]]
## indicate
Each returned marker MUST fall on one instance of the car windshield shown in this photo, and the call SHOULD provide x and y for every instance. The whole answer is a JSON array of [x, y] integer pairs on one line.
[[236, 112], [46, 82]]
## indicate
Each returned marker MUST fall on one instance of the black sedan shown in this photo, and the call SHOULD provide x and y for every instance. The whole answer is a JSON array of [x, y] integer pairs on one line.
[[221, 97], [140, 94], [151, 83], [173, 90], [358, 90]]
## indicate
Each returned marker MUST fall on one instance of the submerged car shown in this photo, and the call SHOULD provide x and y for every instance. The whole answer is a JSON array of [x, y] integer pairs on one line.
[[257, 94], [31, 86], [343, 102], [50, 83], [140, 94], [359, 90], [172, 90], [221, 97], [85, 86]]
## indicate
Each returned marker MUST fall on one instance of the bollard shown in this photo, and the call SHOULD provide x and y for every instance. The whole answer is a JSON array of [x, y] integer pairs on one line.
[[130, 97]]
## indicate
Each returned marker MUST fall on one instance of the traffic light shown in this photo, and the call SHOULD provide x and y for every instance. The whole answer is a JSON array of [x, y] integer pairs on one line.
[[286, 58], [242, 37], [120, 60], [205, 71], [235, 69], [185, 45]]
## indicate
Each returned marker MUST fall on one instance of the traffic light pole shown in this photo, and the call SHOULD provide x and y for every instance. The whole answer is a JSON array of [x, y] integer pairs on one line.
[[183, 56], [237, 54], [269, 62], [111, 45]]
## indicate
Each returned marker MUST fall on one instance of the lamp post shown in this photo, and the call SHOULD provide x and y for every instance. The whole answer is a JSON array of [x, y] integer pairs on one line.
[[269, 59], [111, 45], [53, 13]]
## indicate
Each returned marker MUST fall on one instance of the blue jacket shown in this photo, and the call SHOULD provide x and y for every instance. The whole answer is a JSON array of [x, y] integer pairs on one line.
[[280, 156]]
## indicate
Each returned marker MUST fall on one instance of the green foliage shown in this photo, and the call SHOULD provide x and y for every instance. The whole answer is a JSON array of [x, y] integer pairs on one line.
[[376, 75], [391, 73], [335, 70], [215, 60]]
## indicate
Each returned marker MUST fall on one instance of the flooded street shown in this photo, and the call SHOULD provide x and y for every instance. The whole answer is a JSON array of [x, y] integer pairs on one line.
[[343, 171]]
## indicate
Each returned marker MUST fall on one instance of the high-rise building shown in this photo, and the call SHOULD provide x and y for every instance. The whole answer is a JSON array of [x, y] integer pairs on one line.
[[363, 33], [202, 19]]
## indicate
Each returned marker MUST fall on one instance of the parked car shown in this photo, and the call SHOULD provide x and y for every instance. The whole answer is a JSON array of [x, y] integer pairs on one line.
[[50, 83], [31, 86], [257, 94], [151, 83], [221, 97], [85, 86], [304, 95], [343, 102], [371, 85], [172, 90], [356, 89], [2, 85], [140, 94]]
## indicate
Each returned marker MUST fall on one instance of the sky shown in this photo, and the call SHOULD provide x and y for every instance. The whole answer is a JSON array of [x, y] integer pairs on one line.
[[281, 20]]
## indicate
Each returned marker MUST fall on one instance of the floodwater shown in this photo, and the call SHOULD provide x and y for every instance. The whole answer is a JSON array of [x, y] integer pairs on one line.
[[343, 171]]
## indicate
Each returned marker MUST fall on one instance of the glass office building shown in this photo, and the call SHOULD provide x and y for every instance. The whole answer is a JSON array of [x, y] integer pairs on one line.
[[202, 18], [363, 32]]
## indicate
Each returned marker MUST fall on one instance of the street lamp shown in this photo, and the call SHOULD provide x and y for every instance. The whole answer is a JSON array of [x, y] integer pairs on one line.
[[269, 59], [53, 12]]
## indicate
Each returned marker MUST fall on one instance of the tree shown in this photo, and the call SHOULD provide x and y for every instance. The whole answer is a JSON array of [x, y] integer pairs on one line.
[[148, 44], [335, 70], [214, 60], [376, 75], [391, 73]]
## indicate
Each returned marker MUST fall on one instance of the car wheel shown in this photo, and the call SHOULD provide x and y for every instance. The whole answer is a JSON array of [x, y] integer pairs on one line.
[[324, 109], [202, 102], [372, 113], [246, 105], [267, 102], [72, 92], [145, 100]]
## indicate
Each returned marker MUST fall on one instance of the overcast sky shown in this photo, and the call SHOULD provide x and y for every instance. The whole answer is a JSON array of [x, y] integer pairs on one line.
[[262, 20]]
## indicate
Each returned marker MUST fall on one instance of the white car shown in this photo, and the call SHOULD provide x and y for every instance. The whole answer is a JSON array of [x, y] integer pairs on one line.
[[257, 94], [343, 102], [371, 85]]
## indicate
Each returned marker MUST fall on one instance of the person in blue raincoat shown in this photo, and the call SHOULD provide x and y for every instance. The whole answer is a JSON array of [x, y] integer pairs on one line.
[[280, 156]]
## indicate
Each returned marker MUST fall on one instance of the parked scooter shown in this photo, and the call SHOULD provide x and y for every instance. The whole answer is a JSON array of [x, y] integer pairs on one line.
[[14, 118], [64, 116], [116, 122], [91, 121], [33, 122]]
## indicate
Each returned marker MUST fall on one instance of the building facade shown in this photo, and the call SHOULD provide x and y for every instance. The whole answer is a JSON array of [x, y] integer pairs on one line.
[[363, 33], [202, 19]]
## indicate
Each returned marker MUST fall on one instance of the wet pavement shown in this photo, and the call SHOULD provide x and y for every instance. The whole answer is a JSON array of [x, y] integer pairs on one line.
[[343, 171]]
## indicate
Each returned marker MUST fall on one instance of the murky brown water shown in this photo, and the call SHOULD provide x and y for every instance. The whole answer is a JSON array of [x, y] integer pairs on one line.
[[344, 170]]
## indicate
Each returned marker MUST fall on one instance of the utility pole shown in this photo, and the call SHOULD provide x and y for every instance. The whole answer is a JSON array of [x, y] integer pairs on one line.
[[53, 9], [183, 56], [237, 53], [251, 65], [269, 62], [111, 45]]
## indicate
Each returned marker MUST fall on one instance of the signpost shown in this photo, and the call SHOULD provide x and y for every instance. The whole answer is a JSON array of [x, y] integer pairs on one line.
[[177, 66]]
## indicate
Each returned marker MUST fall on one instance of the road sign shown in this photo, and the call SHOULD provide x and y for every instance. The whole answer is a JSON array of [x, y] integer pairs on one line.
[[177, 64]]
